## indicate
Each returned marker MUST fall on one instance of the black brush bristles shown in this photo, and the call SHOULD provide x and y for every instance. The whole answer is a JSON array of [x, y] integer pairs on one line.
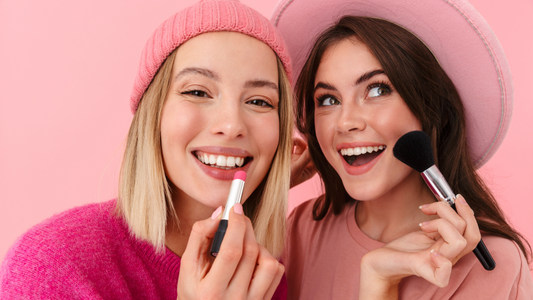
[[414, 149]]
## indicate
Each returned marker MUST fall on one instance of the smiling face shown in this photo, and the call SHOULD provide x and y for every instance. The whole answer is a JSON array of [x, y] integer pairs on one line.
[[220, 116], [358, 119]]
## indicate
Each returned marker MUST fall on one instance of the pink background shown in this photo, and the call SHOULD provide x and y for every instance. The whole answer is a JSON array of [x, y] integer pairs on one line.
[[66, 72]]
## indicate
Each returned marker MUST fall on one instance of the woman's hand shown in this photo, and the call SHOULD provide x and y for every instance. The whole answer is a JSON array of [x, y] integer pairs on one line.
[[243, 269], [429, 253], [302, 167]]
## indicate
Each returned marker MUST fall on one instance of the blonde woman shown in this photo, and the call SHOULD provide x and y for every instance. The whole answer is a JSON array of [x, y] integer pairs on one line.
[[212, 97]]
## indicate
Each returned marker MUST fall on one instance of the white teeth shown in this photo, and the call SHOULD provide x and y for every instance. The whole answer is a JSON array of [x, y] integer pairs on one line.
[[221, 161], [239, 161], [361, 150], [224, 162], [230, 161]]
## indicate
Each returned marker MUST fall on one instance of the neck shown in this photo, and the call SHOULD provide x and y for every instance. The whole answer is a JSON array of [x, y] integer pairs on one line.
[[397, 212], [188, 212]]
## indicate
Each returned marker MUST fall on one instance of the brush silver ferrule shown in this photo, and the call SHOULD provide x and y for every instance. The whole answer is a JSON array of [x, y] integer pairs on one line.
[[235, 194], [438, 185]]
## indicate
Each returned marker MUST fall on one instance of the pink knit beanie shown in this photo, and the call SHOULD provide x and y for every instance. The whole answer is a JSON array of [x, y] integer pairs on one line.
[[204, 16]]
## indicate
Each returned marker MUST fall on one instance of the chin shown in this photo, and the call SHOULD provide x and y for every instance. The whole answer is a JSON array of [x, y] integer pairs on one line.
[[364, 192]]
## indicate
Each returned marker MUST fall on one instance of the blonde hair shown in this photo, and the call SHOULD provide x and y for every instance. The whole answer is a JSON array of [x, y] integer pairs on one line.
[[144, 197]]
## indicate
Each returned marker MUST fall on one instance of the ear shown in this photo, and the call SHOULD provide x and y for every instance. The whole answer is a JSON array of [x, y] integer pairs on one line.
[[302, 167]]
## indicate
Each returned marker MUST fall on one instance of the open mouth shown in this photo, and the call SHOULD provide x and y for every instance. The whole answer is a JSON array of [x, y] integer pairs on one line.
[[359, 156], [222, 161]]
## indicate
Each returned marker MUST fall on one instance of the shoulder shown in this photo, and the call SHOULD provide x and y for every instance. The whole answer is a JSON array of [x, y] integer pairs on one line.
[[298, 228], [511, 278], [304, 210], [301, 218], [80, 224], [57, 248], [506, 253]]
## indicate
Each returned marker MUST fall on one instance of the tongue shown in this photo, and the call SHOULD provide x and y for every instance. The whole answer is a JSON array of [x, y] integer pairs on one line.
[[362, 159]]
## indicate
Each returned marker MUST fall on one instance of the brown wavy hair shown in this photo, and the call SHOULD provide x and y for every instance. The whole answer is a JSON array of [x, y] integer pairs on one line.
[[430, 95]]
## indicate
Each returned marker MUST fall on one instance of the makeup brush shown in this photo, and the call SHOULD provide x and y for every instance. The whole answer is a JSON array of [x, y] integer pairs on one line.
[[414, 149]]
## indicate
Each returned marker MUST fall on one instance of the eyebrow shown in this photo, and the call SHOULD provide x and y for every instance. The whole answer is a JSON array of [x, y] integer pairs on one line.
[[200, 71], [326, 86], [214, 76], [258, 83], [366, 76], [369, 75]]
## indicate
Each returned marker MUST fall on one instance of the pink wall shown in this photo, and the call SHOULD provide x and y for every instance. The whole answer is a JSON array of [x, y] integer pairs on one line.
[[66, 71]]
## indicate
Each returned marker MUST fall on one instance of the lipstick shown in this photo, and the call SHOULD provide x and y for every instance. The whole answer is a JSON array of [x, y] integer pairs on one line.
[[235, 195]]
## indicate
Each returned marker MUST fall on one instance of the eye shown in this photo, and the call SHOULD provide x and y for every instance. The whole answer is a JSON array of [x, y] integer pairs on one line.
[[379, 89], [259, 102], [327, 100], [196, 93]]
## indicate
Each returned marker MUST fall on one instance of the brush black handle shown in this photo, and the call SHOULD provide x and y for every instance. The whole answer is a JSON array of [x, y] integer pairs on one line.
[[482, 253]]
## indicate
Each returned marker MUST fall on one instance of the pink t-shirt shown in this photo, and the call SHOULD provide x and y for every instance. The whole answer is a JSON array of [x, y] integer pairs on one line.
[[322, 260]]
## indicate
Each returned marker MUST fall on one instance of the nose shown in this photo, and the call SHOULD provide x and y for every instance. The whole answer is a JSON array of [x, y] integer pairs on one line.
[[228, 119], [351, 118]]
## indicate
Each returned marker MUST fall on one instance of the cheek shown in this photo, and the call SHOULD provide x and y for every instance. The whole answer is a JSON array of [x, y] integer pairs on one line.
[[263, 133], [266, 135], [399, 120], [178, 127]]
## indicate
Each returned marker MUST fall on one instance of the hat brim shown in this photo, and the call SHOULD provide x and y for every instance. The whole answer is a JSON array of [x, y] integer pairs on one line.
[[458, 36]]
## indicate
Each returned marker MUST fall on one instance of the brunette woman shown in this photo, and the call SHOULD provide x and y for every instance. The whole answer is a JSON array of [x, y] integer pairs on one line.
[[388, 68]]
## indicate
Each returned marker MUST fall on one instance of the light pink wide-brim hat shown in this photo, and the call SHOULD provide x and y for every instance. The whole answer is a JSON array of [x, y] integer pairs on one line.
[[459, 37]]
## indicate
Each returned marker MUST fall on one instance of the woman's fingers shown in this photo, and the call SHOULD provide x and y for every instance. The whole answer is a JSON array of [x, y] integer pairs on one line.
[[195, 262], [267, 275], [231, 250], [471, 234], [444, 211], [454, 242], [438, 272], [463, 223], [245, 270], [200, 239]]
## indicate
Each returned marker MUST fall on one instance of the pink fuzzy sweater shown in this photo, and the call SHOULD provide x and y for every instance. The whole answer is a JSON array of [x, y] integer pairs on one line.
[[88, 253]]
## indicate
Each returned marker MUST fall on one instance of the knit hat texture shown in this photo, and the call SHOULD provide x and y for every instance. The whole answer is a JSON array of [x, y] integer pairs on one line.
[[204, 16]]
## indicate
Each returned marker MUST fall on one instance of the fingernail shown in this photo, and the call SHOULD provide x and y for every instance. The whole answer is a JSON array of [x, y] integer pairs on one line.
[[237, 208], [423, 206], [423, 223], [461, 199], [436, 253], [216, 213]]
